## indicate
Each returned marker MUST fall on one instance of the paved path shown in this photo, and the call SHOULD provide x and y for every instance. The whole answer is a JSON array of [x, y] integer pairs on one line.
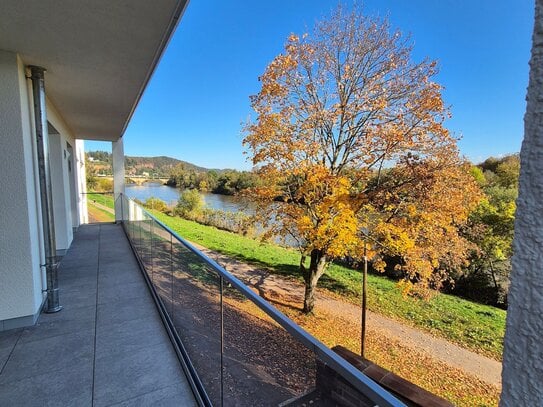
[[277, 287]]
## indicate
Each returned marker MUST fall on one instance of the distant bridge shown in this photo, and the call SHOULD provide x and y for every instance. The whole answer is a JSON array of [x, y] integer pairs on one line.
[[136, 179]]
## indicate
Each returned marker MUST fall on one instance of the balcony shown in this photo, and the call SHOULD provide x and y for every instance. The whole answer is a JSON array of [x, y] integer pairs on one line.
[[107, 346], [150, 319]]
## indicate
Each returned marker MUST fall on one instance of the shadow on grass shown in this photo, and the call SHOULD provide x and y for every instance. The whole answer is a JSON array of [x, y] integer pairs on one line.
[[293, 271], [336, 286]]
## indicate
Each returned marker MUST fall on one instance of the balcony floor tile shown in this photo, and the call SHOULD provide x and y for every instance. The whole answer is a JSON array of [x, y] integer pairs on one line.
[[106, 347]]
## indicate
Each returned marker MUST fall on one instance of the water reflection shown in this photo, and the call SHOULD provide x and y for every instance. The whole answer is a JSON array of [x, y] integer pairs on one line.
[[226, 203], [170, 195]]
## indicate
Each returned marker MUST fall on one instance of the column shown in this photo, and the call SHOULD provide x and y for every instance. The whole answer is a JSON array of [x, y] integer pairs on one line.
[[118, 176], [522, 375]]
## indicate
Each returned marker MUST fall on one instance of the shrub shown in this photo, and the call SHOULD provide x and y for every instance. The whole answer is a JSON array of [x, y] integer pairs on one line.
[[237, 222], [156, 204], [190, 203], [104, 185]]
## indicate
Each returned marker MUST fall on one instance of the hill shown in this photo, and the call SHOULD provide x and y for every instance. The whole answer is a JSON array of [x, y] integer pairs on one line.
[[159, 167]]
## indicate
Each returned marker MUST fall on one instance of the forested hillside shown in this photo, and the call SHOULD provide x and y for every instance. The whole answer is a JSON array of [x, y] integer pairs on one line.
[[154, 167]]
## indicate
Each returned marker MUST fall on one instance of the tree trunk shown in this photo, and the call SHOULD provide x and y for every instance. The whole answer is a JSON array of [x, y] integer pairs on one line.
[[496, 288], [311, 275]]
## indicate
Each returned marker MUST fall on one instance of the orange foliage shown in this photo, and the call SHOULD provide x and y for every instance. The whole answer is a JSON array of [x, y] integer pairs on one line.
[[349, 133]]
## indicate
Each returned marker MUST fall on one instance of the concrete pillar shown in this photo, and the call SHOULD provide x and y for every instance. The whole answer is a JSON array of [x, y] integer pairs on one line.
[[522, 376], [81, 182], [117, 151]]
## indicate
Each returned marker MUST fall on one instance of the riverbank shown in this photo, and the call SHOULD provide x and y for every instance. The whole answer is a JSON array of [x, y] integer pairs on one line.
[[477, 327]]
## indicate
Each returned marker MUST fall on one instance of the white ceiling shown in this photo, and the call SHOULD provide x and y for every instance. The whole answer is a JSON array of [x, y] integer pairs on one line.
[[99, 54]]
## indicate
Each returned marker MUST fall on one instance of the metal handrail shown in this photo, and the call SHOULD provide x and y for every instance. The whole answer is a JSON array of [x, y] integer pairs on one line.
[[354, 376]]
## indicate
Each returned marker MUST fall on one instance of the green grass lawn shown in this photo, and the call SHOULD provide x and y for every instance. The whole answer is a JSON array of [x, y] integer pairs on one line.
[[475, 326], [104, 199], [99, 214]]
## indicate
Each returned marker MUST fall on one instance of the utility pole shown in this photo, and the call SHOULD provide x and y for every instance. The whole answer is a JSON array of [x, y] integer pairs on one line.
[[364, 296]]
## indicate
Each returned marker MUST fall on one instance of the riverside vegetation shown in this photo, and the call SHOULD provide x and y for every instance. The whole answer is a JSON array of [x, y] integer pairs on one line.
[[484, 278], [485, 275]]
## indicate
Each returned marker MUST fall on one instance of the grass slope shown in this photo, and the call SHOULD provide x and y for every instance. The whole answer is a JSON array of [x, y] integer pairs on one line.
[[97, 214], [103, 199], [472, 325]]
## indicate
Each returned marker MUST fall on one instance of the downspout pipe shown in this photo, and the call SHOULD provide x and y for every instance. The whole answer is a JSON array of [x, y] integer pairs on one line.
[[52, 303]]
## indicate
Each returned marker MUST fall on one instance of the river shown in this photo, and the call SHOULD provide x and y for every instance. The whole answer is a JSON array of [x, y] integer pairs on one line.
[[170, 195]]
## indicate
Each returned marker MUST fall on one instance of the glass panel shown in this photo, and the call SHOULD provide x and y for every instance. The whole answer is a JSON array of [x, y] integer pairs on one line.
[[197, 316], [137, 234], [132, 212], [263, 364], [145, 243], [219, 325], [162, 264]]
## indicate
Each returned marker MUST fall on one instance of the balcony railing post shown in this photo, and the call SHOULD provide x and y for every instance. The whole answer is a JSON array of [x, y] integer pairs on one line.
[[140, 223], [221, 294], [171, 278], [152, 251], [121, 197]]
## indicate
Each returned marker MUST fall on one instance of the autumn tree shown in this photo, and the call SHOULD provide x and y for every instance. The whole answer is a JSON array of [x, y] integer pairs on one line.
[[349, 134]]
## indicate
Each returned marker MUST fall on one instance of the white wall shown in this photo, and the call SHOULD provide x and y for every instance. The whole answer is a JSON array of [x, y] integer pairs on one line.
[[61, 193], [21, 280], [71, 160], [522, 375], [60, 177]]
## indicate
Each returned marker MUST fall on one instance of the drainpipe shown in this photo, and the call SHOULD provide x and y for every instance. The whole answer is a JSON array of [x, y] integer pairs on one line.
[[44, 173]]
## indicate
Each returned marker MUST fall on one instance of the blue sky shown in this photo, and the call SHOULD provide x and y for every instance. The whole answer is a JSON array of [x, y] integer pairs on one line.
[[198, 97]]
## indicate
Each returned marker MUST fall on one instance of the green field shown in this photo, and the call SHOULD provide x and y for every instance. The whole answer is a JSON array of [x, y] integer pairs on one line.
[[103, 199], [97, 214], [475, 326]]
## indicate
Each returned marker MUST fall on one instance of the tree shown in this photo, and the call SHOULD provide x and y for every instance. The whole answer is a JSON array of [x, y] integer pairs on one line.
[[490, 228], [349, 134], [190, 202], [92, 182]]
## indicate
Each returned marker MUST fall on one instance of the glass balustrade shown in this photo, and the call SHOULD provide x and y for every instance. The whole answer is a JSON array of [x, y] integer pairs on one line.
[[240, 349]]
